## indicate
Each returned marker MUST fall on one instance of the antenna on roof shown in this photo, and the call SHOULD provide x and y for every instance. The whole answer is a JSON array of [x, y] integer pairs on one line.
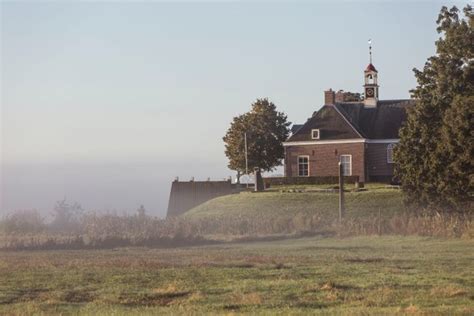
[[370, 50]]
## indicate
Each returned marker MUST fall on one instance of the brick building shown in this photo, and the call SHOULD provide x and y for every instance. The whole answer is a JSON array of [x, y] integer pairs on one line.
[[359, 133]]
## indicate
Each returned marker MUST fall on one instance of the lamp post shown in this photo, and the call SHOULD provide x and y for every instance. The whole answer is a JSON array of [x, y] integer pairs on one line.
[[246, 160], [341, 191]]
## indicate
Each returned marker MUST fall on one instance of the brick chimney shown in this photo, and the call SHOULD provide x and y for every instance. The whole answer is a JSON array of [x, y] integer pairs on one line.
[[329, 97], [340, 96]]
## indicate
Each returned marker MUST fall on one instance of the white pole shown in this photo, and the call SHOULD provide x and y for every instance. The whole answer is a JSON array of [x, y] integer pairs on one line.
[[246, 160]]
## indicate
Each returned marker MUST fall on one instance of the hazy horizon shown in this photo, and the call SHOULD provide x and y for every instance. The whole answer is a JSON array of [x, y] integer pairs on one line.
[[106, 103]]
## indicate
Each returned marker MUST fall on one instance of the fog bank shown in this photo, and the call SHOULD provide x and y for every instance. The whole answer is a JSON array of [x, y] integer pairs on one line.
[[113, 186]]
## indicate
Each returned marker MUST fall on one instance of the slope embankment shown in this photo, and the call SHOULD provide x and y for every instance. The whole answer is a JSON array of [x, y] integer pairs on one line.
[[296, 210]]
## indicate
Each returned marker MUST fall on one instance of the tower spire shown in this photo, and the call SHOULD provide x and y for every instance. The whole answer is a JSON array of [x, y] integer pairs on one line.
[[371, 88], [370, 50]]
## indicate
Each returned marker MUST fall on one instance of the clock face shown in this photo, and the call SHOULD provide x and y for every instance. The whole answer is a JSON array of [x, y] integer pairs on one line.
[[369, 92]]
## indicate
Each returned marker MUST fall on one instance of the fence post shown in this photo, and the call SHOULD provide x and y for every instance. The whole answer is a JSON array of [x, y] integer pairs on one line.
[[341, 192], [380, 222]]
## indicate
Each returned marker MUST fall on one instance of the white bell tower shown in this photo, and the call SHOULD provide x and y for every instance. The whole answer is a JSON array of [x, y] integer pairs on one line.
[[371, 87]]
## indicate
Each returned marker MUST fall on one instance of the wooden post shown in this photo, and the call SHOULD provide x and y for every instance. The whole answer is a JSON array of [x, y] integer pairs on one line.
[[258, 180], [380, 222], [246, 160], [341, 191]]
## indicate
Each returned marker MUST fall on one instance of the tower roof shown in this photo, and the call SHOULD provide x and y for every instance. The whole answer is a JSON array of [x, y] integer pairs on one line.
[[370, 67]]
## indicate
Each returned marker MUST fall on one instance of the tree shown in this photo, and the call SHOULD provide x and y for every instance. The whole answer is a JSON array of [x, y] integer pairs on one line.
[[141, 212], [266, 129], [24, 221], [457, 145], [66, 217], [434, 156], [352, 97]]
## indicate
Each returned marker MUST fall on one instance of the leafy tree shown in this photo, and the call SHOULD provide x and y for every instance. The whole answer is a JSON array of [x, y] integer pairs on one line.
[[352, 97], [24, 221], [141, 211], [457, 147], [266, 129], [66, 217], [435, 153]]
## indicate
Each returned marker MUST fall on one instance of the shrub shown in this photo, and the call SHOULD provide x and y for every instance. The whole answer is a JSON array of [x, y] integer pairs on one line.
[[25, 230], [24, 221]]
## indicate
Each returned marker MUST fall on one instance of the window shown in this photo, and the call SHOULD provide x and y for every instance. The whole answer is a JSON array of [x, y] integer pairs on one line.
[[346, 161], [303, 166], [315, 133], [390, 148], [370, 79]]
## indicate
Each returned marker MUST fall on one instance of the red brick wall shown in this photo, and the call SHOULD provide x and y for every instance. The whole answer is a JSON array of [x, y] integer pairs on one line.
[[329, 96], [377, 160], [324, 159]]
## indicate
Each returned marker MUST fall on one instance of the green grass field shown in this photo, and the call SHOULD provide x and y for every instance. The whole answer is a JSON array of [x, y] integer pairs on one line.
[[282, 212], [288, 204], [375, 275]]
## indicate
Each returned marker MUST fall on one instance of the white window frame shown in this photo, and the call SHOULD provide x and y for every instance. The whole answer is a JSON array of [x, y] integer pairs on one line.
[[312, 133], [390, 148], [298, 165], [350, 164]]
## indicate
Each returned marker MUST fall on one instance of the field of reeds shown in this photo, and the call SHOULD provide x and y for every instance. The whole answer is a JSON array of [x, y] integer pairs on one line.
[[244, 216]]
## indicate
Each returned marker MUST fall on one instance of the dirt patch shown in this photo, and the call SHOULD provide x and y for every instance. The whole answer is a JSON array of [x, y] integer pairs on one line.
[[247, 298], [412, 309], [241, 300], [232, 307], [241, 265], [23, 295], [328, 286], [448, 291], [310, 305], [363, 260], [153, 299], [77, 296]]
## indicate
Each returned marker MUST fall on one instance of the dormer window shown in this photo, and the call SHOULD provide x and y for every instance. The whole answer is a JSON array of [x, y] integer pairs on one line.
[[315, 134]]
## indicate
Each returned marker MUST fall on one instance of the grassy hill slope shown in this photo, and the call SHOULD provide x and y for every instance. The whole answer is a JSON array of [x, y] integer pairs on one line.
[[358, 204], [287, 212]]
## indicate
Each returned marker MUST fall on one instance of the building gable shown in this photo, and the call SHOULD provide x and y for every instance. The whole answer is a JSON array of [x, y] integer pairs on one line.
[[332, 125]]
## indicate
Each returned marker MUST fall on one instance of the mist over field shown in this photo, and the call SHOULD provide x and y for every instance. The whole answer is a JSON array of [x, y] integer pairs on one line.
[[120, 186]]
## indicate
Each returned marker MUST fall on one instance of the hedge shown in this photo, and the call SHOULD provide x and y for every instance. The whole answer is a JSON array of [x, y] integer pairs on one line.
[[307, 180]]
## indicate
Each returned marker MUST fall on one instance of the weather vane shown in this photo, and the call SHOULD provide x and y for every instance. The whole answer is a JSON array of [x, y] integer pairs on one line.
[[370, 50]]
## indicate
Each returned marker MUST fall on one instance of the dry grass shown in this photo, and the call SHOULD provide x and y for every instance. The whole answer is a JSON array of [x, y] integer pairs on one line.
[[244, 217], [201, 231], [363, 275], [448, 291]]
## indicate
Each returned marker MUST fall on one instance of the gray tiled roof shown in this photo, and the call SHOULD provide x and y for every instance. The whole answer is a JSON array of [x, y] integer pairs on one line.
[[295, 128], [381, 122], [331, 124]]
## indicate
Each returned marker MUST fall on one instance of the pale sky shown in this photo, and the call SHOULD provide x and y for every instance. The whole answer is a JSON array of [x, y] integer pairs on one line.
[[105, 103]]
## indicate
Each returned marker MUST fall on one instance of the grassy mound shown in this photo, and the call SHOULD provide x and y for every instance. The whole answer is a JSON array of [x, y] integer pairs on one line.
[[285, 204], [301, 210]]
